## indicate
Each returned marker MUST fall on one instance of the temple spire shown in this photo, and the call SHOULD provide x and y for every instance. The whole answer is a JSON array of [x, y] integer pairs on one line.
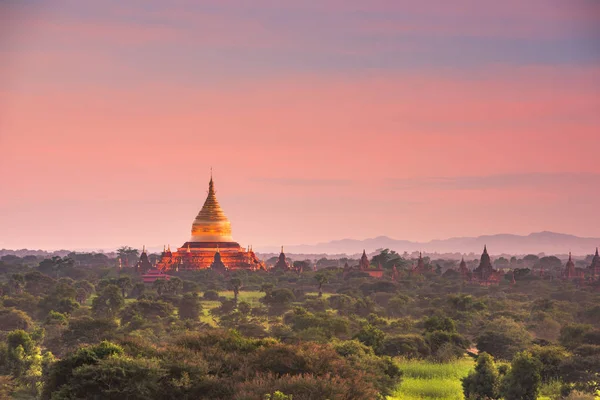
[[282, 249], [596, 251], [485, 249]]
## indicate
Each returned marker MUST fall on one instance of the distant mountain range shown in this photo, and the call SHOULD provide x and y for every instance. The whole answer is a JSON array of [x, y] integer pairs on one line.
[[534, 243]]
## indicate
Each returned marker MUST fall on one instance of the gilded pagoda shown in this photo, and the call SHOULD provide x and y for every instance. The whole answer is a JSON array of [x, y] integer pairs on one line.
[[210, 243]]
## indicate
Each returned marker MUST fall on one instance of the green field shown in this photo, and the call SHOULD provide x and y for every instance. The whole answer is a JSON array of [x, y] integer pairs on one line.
[[424, 380]]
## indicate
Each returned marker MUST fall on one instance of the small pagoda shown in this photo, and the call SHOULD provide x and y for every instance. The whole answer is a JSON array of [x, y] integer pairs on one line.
[[281, 264], [594, 268], [143, 265], [485, 274]]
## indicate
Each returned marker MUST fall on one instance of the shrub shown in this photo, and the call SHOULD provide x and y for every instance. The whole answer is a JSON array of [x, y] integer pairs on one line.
[[483, 382], [211, 295], [408, 346]]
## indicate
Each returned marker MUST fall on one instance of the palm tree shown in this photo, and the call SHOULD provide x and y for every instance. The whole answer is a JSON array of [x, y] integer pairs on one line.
[[321, 279], [125, 284], [236, 284]]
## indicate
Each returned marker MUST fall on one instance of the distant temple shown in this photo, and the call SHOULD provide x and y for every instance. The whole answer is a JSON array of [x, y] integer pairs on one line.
[[463, 270], [595, 266], [282, 264], [570, 272], [364, 266], [420, 268], [364, 263], [485, 274], [210, 244], [143, 265]]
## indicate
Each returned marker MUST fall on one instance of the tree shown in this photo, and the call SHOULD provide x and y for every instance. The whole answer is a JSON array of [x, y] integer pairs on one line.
[[128, 255], [550, 263], [86, 330], [125, 284], [161, 286], [244, 308], [16, 283], [267, 288], [60, 377], [370, 336], [11, 319], [81, 295], [483, 383], [190, 306], [523, 381], [531, 259], [321, 279], [109, 302], [175, 285], [211, 295], [503, 337], [236, 284], [438, 323], [551, 358], [572, 335], [54, 265], [137, 290]]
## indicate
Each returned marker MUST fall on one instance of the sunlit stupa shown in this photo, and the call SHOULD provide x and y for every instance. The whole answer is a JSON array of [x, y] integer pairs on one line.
[[211, 234]]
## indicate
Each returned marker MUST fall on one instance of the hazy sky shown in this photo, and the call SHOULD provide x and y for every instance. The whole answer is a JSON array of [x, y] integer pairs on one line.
[[322, 119]]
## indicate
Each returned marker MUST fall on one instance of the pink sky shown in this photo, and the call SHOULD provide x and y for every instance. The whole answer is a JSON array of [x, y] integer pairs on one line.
[[322, 120]]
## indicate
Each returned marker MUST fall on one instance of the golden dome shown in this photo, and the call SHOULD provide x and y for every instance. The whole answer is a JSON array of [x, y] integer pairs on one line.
[[211, 224]]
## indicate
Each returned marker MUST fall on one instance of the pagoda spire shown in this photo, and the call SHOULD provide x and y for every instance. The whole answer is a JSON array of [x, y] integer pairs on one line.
[[596, 251], [485, 249]]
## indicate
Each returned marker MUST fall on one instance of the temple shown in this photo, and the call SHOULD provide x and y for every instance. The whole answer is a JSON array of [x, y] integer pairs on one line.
[[595, 266], [364, 263], [364, 266], [211, 243], [143, 265], [464, 272], [420, 268], [485, 274], [282, 264], [569, 272]]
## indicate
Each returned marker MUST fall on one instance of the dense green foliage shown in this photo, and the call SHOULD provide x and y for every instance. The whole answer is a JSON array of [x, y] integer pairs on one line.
[[76, 330]]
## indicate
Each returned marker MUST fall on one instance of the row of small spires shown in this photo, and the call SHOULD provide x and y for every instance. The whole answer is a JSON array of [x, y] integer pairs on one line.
[[168, 249]]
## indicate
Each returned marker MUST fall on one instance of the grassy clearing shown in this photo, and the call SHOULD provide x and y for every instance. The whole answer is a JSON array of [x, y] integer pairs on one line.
[[424, 380], [250, 297]]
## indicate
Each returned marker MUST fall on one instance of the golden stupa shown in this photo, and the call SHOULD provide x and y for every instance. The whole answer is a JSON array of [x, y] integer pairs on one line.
[[211, 224], [211, 234]]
